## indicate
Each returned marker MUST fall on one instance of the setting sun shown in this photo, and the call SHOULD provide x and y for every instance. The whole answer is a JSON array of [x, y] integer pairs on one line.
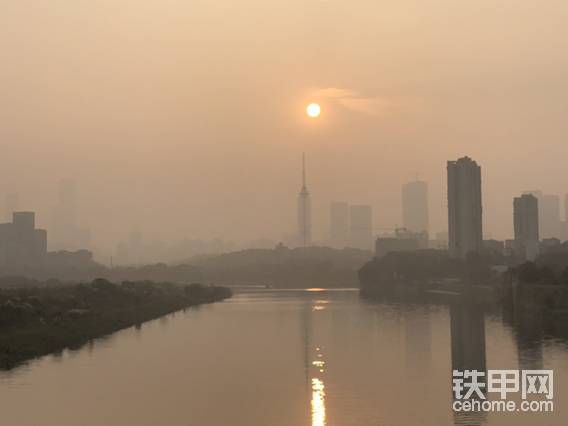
[[313, 110]]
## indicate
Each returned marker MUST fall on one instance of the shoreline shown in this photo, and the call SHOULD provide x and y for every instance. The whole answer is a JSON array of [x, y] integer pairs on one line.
[[39, 331]]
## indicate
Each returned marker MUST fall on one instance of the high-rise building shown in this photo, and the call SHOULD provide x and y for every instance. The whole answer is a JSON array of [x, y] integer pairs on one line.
[[361, 227], [548, 214], [550, 211], [66, 234], [304, 211], [525, 217], [339, 224], [465, 227], [415, 206]]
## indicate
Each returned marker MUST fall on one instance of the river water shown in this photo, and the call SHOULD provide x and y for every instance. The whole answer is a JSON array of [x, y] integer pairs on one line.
[[285, 358]]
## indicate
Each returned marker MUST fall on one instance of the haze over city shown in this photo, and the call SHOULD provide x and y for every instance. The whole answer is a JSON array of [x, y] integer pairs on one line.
[[180, 119], [283, 212]]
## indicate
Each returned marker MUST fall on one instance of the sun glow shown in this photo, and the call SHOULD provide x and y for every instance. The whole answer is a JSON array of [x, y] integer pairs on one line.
[[313, 110]]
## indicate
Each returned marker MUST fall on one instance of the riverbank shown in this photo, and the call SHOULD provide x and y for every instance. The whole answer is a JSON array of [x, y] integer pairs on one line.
[[42, 320]]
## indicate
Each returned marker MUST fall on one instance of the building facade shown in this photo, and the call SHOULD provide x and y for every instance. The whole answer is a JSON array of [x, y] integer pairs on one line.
[[415, 206], [526, 226], [21, 244], [549, 223], [402, 240], [465, 227]]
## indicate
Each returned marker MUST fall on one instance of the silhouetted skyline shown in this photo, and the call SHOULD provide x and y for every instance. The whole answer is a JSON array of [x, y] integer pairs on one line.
[[183, 113]]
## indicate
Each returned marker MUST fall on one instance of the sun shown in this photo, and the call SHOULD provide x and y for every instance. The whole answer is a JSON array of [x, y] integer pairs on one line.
[[313, 110]]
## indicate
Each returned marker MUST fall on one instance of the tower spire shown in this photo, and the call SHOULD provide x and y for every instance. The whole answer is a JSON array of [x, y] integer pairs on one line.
[[303, 170], [304, 209]]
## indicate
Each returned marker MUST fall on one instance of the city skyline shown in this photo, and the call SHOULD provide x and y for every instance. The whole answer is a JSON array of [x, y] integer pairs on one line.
[[169, 130], [67, 196]]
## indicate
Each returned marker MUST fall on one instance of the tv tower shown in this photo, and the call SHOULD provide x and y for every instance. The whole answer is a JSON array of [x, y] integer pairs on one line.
[[304, 210]]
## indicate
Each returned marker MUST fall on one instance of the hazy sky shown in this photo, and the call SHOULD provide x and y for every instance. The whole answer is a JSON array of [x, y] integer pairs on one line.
[[186, 118]]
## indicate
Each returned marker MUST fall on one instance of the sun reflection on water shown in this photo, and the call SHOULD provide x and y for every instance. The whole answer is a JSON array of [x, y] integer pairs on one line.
[[318, 390], [318, 402]]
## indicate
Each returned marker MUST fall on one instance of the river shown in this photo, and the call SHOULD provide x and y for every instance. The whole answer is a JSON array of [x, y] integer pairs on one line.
[[285, 358]]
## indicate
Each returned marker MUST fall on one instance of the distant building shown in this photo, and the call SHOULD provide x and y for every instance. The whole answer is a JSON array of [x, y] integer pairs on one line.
[[494, 246], [304, 211], [440, 241], [415, 206], [361, 227], [65, 260], [550, 225], [21, 244], [548, 214], [510, 247], [564, 223], [526, 224], [339, 225], [402, 240], [65, 232], [464, 207], [549, 244]]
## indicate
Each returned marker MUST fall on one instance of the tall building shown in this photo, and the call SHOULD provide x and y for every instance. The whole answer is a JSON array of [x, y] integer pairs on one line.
[[525, 218], [361, 227], [464, 207], [550, 211], [548, 214], [339, 224], [415, 206], [304, 211], [21, 244], [66, 234]]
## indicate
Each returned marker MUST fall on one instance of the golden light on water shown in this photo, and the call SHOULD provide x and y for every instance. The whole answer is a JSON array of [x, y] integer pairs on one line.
[[318, 392], [313, 110], [318, 402]]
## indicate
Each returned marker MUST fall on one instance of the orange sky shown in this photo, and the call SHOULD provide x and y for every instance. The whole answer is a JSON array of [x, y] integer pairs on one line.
[[185, 118]]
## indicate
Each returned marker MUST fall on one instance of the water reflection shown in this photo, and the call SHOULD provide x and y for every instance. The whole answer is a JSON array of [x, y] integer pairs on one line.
[[289, 358], [314, 362], [467, 328], [529, 333], [318, 402]]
